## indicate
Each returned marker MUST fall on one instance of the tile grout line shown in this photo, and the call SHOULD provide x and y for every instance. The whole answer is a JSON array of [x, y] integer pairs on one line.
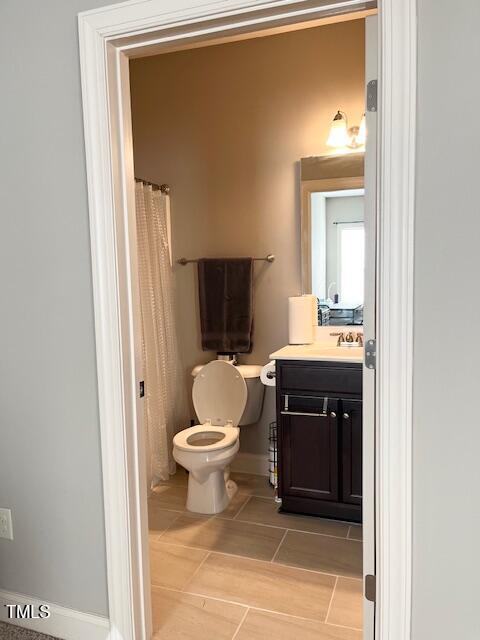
[[218, 516], [240, 624], [201, 595], [277, 526], [241, 509], [331, 600], [350, 532], [209, 553], [160, 535], [191, 514], [249, 606], [342, 626], [279, 564], [279, 545]]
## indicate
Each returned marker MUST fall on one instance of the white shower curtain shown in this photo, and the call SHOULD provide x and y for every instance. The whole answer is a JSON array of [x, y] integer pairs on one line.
[[165, 397]]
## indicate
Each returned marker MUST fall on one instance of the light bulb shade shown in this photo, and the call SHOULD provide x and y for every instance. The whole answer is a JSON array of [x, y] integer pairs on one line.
[[338, 136], [362, 132]]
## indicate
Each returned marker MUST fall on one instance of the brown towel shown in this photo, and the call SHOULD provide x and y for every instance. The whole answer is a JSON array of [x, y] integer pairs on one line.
[[225, 287]]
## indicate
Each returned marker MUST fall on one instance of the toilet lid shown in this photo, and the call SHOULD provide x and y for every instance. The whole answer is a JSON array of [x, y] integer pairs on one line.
[[219, 393]]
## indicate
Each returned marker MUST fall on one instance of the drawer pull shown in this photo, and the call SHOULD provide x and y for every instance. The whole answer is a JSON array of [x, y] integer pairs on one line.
[[346, 416], [305, 413], [333, 414]]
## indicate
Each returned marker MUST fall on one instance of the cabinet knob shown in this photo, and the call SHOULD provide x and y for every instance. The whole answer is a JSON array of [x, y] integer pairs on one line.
[[333, 414], [346, 416]]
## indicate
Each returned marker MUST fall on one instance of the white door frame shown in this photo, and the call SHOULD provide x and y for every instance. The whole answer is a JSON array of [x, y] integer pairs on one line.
[[108, 36]]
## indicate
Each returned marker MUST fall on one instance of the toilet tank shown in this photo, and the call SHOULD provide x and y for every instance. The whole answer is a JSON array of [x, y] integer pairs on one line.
[[255, 391]]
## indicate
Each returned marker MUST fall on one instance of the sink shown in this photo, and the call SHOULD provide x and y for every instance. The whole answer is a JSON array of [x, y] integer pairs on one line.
[[318, 351]]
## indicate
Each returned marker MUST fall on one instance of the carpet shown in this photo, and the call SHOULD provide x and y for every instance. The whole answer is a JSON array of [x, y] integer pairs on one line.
[[12, 632]]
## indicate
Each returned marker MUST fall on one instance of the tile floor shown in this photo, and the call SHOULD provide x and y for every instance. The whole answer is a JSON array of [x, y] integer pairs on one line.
[[250, 572]]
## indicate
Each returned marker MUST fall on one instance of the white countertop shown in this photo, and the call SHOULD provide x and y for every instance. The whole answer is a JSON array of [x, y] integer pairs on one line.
[[319, 351]]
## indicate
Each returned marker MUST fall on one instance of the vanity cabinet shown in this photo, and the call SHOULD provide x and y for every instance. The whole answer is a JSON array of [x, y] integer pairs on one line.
[[319, 419], [307, 437]]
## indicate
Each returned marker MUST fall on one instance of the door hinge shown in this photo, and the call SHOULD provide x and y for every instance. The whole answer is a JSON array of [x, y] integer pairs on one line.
[[372, 92], [371, 354], [141, 388], [371, 588]]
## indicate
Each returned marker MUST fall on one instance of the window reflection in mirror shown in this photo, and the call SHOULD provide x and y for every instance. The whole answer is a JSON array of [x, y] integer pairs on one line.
[[333, 237]]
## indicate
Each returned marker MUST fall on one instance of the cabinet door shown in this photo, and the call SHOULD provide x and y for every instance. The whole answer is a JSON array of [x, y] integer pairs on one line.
[[352, 451], [309, 453]]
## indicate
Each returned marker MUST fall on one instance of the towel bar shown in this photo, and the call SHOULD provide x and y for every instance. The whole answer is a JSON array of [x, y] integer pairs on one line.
[[269, 258]]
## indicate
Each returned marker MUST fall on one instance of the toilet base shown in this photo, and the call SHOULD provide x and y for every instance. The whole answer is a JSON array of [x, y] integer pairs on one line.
[[210, 494]]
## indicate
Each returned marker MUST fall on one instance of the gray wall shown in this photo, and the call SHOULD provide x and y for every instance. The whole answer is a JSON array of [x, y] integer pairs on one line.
[[50, 471], [446, 561]]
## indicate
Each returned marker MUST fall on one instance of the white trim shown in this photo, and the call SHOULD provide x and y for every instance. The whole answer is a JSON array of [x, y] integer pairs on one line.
[[103, 34], [398, 31], [256, 463], [62, 623], [372, 160], [342, 193]]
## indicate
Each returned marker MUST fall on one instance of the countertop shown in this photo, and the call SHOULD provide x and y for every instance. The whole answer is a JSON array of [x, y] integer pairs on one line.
[[319, 351]]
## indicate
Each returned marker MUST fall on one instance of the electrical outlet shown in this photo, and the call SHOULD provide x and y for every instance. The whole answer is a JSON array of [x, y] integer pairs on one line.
[[6, 530]]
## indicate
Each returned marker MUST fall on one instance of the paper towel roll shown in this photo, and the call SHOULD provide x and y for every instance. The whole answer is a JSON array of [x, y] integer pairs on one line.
[[267, 374], [300, 323]]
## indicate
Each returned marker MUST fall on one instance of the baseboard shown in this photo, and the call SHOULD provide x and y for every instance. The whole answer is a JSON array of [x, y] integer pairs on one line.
[[256, 463], [63, 623]]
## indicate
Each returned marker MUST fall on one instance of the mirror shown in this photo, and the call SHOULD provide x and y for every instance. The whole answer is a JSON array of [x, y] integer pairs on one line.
[[333, 236]]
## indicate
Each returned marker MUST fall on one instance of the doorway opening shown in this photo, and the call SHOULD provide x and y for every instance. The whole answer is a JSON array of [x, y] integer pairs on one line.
[[126, 288], [229, 128]]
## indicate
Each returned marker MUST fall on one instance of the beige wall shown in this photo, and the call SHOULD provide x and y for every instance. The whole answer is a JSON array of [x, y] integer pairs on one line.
[[225, 126]]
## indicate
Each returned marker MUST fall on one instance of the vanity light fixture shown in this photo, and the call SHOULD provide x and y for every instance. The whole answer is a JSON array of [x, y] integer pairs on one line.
[[341, 135]]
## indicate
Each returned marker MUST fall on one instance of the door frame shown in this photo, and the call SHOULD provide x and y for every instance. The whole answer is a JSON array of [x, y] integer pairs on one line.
[[108, 37]]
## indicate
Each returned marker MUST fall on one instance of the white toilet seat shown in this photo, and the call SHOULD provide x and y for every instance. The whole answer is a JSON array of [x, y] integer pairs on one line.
[[185, 440]]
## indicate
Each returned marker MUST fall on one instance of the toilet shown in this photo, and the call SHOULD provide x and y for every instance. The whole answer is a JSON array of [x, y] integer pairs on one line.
[[225, 397]]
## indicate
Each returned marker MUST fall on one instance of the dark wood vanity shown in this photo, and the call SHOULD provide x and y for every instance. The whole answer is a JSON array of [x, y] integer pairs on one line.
[[319, 419]]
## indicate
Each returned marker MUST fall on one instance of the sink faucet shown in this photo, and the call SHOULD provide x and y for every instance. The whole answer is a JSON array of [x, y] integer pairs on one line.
[[341, 337], [349, 338]]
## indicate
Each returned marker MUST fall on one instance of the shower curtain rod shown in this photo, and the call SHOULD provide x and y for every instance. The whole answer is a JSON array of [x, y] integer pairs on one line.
[[164, 188], [269, 258]]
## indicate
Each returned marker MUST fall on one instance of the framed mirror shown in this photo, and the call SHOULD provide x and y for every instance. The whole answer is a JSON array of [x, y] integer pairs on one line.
[[333, 236]]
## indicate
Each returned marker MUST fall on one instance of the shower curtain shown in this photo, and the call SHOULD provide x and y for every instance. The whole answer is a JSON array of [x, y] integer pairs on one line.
[[165, 396]]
